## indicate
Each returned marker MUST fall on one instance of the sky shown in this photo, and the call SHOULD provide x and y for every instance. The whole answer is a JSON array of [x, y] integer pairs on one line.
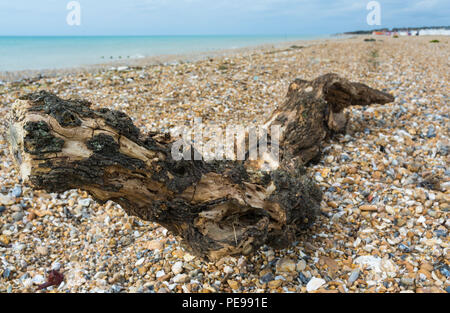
[[213, 17]]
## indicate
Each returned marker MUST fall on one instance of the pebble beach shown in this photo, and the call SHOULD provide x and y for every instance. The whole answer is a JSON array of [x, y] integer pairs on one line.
[[384, 218]]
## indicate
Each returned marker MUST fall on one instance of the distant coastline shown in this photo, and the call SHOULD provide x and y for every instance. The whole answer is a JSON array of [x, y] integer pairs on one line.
[[427, 30]]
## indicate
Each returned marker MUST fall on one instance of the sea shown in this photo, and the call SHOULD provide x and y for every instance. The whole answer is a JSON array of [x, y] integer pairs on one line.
[[40, 52]]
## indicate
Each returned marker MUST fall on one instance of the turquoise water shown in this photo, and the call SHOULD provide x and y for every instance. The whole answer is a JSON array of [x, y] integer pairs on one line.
[[35, 53]]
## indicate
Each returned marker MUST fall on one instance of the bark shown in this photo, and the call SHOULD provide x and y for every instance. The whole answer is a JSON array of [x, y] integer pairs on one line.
[[218, 208]]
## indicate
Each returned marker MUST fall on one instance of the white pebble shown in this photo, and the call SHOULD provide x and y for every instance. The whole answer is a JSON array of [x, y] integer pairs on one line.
[[84, 202], [314, 284], [38, 280], [188, 257], [177, 268], [139, 262], [56, 266], [180, 278], [100, 275], [27, 283]]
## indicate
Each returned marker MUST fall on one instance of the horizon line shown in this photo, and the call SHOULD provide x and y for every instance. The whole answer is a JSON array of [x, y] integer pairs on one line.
[[375, 28], [167, 35]]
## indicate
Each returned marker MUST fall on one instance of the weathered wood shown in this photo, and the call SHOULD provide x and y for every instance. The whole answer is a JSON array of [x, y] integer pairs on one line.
[[314, 110], [218, 208]]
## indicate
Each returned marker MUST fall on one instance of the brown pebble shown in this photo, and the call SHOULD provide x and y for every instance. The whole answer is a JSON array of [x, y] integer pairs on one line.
[[275, 283], [368, 208], [233, 284]]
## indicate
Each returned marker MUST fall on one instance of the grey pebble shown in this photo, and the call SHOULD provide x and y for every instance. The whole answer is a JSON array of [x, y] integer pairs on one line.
[[6, 273], [116, 288], [18, 216], [344, 157], [407, 281], [17, 191], [302, 278], [445, 271], [267, 278], [404, 248], [440, 233], [431, 133], [353, 276]]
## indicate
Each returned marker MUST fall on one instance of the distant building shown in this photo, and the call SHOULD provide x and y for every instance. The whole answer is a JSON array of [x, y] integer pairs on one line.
[[420, 32], [428, 32]]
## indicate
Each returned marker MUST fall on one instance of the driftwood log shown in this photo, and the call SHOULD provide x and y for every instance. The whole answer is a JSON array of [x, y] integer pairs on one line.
[[218, 208]]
